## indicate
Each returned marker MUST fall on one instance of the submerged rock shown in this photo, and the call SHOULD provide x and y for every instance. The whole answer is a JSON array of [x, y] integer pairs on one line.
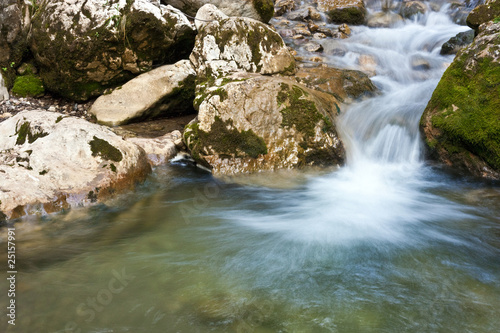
[[232, 44], [50, 162], [262, 10], [165, 90], [249, 122], [83, 47], [344, 11], [383, 19], [461, 122], [412, 8]]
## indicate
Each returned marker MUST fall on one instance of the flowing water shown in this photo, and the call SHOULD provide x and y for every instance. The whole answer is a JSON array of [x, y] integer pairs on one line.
[[387, 243]]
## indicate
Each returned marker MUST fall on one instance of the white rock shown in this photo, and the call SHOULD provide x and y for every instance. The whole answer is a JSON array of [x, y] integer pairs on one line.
[[4, 93], [161, 149]]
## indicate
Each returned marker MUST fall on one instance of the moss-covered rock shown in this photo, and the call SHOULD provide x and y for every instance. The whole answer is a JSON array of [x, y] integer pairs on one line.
[[461, 123], [28, 86], [344, 11], [84, 47], [250, 122], [232, 44], [483, 13], [262, 10]]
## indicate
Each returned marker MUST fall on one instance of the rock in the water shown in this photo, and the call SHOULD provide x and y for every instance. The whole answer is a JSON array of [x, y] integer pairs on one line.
[[344, 11], [165, 90], [313, 47], [50, 162], [4, 93], [239, 44], [283, 6], [383, 19], [483, 13], [346, 85], [159, 150], [248, 123], [262, 10], [461, 122], [454, 44], [83, 47], [412, 8]]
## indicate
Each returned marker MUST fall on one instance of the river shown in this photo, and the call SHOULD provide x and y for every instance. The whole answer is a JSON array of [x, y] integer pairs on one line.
[[387, 243]]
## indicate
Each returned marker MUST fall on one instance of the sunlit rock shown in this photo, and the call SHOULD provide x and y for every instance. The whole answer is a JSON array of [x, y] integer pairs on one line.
[[162, 91], [50, 162]]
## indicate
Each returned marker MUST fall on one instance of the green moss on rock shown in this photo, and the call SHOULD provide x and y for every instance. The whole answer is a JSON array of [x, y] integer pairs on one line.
[[104, 149], [349, 15], [265, 8], [24, 132], [28, 86]]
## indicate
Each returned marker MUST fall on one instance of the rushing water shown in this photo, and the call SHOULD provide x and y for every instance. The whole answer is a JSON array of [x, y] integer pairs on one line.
[[386, 244]]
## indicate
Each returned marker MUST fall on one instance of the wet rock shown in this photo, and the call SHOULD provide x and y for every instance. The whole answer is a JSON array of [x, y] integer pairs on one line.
[[454, 44], [84, 47], [460, 123], [319, 35], [344, 28], [165, 90], [287, 33], [262, 10], [420, 64], [248, 123], [412, 8], [299, 15], [326, 31], [303, 31], [313, 47], [344, 11], [283, 6], [312, 26], [345, 85], [239, 44], [62, 162], [367, 64], [383, 19]]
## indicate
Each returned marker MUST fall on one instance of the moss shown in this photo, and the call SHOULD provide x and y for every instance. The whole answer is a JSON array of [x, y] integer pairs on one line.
[[43, 172], [265, 8], [25, 132], [300, 112], [100, 147], [466, 108], [112, 167], [28, 85], [92, 196], [59, 119], [225, 140]]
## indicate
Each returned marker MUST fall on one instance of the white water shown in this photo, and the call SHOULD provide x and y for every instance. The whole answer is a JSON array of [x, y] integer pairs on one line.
[[381, 195]]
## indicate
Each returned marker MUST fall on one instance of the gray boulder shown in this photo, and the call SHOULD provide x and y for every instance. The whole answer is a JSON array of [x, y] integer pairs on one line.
[[162, 91], [83, 47]]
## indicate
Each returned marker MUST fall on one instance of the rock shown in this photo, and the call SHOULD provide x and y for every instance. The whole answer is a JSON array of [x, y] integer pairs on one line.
[[312, 26], [344, 11], [454, 44], [412, 8], [162, 91], [313, 47], [15, 22], [327, 32], [4, 93], [283, 6], [84, 47], [262, 10], [303, 31], [483, 13], [299, 15], [249, 123], [319, 35], [28, 86], [26, 69], [368, 64], [239, 44], [419, 64], [344, 28], [345, 85], [51, 162], [159, 150], [460, 123], [383, 19]]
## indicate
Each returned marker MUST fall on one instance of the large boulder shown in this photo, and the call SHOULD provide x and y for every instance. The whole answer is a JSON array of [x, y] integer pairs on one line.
[[343, 11], [167, 90], [231, 44], [461, 122], [86, 46], [483, 13], [262, 10], [250, 122], [15, 22], [50, 162]]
